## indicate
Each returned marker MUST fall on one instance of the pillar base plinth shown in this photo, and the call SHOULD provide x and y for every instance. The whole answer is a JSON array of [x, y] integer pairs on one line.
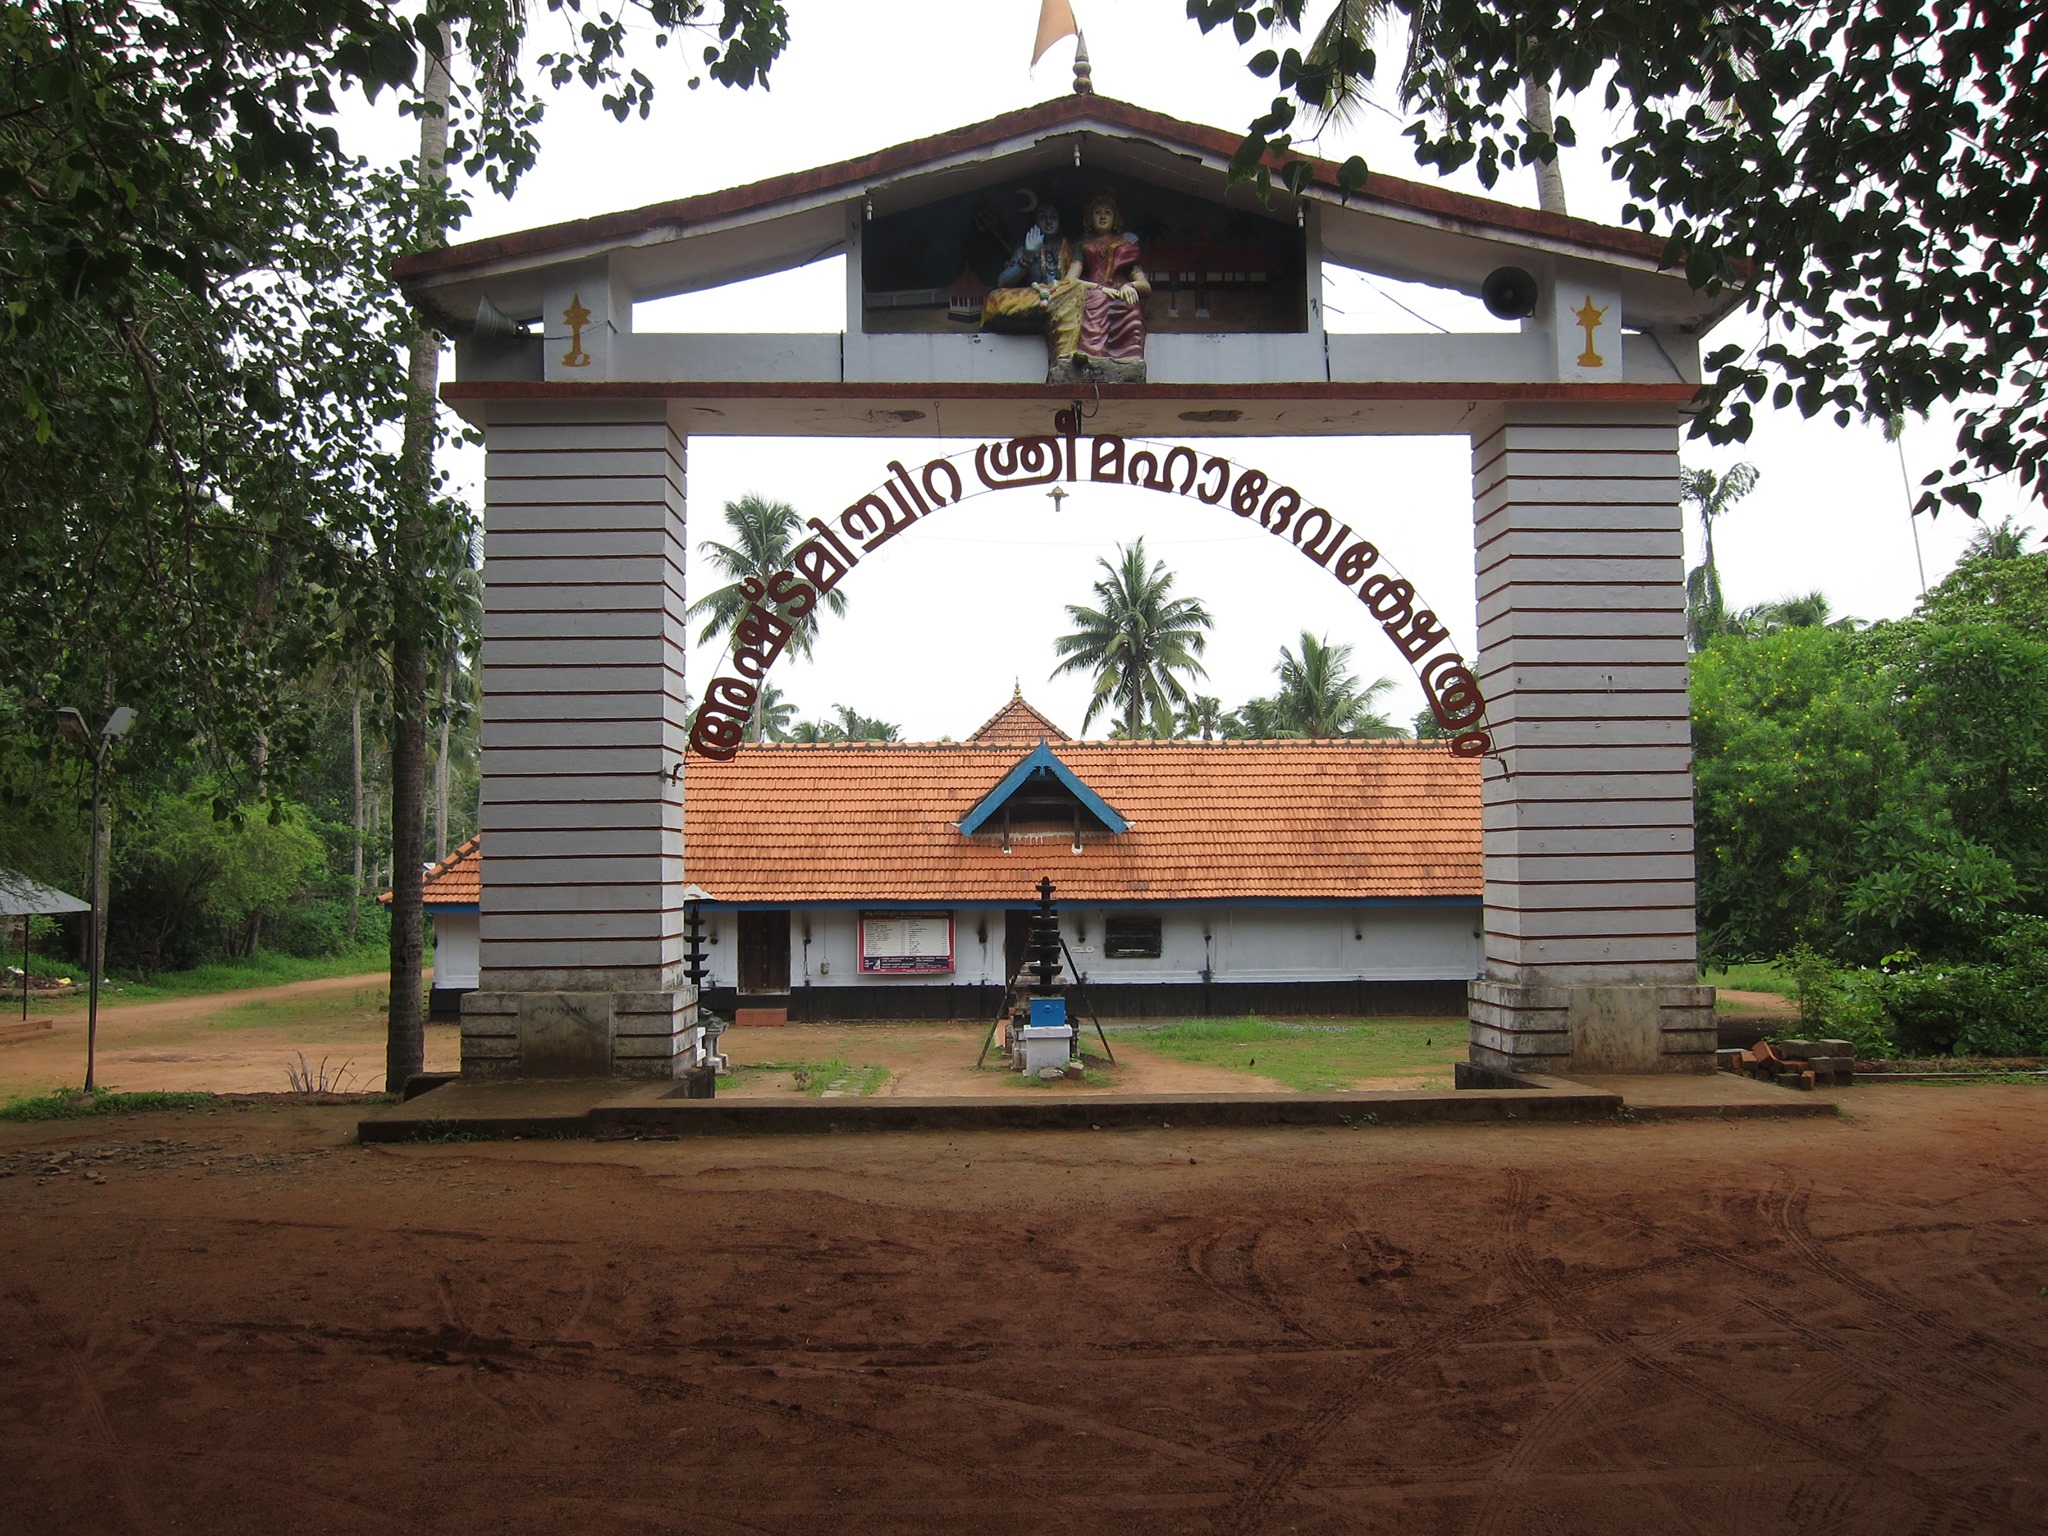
[[580, 1034], [1589, 1028]]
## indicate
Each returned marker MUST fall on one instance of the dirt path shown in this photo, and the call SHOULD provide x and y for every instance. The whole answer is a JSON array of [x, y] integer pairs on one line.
[[223, 1042], [184, 1010], [241, 1322], [1758, 1002]]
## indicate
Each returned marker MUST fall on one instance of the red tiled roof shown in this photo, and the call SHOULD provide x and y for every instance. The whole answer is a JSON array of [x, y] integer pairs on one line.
[[1017, 724], [1209, 821], [457, 881]]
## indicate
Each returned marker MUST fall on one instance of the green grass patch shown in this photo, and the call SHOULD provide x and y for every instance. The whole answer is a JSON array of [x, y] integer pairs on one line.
[[1312, 1058], [325, 1010], [261, 970], [70, 1104], [1764, 976], [815, 1078]]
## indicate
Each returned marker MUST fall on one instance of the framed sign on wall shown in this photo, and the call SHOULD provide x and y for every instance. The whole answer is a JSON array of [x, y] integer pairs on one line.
[[906, 943]]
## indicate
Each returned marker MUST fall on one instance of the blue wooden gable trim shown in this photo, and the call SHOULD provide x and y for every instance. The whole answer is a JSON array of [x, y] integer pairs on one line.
[[1041, 759]]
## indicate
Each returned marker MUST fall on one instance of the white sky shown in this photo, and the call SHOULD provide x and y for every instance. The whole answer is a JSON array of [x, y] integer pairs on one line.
[[945, 618]]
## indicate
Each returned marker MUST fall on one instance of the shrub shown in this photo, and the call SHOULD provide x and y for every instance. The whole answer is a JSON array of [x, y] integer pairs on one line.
[[1995, 1007]]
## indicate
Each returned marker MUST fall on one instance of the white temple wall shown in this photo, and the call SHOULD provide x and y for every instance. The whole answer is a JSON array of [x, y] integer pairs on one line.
[[456, 956], [1237, 944]]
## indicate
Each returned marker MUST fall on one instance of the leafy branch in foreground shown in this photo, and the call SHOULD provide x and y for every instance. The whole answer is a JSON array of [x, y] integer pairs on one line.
[[1867, 175]]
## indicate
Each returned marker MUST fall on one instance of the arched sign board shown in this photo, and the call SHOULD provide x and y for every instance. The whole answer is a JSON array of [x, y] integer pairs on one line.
[[784, 599]]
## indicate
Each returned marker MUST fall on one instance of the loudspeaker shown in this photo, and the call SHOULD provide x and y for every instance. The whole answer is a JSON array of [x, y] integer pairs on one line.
[[1509, 293], [494, 323]]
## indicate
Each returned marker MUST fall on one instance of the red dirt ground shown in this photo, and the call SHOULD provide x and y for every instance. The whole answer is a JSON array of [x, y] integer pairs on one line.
[[240, 1321]]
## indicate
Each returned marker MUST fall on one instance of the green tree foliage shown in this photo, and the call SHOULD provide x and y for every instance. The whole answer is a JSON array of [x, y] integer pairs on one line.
[[1866, 175], [2009, 593], [220, 478], [196, 885], [1877, 791], [1139, 643], [763, 534]]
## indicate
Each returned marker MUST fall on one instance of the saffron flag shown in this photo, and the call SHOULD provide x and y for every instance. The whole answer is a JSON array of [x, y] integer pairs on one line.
[[1055, 21]]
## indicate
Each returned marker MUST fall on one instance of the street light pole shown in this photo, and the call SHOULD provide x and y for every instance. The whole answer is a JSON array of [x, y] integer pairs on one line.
[[92, 932], [72, 724]]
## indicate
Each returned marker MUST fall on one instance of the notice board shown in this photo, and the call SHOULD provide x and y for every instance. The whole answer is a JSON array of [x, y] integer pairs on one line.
[[906, 943]]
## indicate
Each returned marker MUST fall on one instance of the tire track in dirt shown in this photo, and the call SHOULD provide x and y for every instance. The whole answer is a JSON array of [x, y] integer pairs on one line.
[[1787, 1215], [1256, 1503], [1522, 1264], [1227, 1261], [99, 1424], [1913, 1387]]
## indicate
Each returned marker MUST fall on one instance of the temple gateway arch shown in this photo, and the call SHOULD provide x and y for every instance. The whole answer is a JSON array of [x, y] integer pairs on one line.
[[1090, 250]]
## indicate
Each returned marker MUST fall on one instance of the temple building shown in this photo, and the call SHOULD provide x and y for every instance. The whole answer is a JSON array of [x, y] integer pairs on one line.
[[869, 880]]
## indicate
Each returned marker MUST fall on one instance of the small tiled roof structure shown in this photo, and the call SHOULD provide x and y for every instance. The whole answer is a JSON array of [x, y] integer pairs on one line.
[[457, 881], [1017, 724]]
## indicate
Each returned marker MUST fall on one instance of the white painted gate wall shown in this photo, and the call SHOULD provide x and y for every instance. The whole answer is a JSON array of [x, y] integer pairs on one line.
[[584, 634]]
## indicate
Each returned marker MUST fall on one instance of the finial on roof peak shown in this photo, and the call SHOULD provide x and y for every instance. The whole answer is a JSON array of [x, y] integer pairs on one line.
[[1084, 83]]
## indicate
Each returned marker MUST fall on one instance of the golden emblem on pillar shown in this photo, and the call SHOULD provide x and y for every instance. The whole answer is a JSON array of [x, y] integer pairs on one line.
[[576, 317], [1590, 315]]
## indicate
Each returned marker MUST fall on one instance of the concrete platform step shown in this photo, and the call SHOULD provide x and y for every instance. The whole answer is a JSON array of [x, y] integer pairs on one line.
[[599, 1109]]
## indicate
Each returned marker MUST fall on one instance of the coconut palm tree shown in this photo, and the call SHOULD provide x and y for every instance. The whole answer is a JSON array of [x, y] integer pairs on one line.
[[1203, 717], [1139, 643], [771, 716], [1320, 696], [1709, 494], [2006, 541], [1799, 610], [1257, 720], [860, 727], [763, 534]]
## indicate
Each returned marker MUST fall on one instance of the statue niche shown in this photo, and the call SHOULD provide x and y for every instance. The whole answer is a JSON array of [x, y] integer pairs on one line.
[[1087, 300], [1092, 290]]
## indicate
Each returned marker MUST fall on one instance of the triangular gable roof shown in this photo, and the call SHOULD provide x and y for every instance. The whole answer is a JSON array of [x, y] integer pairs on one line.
[[1041, 760], [1453, 238], [1016, 724]]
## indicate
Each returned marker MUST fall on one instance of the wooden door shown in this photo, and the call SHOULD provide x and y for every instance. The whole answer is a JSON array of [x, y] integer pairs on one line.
[[764, 951]]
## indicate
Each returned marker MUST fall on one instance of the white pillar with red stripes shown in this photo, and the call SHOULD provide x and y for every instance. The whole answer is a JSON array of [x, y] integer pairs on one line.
[[584, 721], [1591, 955]]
